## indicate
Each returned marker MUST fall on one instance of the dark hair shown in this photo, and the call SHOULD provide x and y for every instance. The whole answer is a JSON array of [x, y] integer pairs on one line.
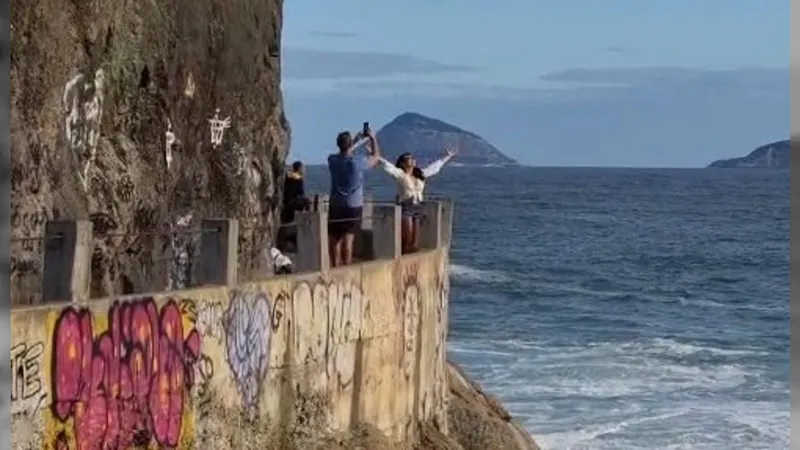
[[297, 165], [416, 172], [343, 140]]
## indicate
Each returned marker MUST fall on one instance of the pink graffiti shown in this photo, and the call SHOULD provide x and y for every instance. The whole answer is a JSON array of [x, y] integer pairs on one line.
[[125, 386]]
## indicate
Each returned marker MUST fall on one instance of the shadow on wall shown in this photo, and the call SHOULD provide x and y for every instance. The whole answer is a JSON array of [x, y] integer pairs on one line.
[[293, 359]]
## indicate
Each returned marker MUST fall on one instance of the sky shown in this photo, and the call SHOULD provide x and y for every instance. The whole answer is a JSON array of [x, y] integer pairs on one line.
[[622, 83]]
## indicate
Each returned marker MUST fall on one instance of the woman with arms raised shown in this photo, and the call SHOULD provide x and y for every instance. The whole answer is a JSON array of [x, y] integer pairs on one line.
[[410, 186]]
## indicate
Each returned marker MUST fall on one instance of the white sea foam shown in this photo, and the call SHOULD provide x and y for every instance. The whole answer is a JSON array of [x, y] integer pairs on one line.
[[472, 274], [632, 395], [697, 425]]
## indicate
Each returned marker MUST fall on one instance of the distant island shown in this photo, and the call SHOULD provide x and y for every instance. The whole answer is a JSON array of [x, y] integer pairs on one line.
[[427, 137], [770, 156]]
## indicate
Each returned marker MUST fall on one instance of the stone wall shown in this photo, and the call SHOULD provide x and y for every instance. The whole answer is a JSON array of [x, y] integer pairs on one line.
[[284, 363]]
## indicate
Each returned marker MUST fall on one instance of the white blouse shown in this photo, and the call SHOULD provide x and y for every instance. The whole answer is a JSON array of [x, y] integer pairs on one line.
[[408, 186]]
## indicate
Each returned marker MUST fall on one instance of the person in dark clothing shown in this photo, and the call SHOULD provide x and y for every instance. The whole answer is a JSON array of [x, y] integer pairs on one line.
[[294, 193], [294, 199]]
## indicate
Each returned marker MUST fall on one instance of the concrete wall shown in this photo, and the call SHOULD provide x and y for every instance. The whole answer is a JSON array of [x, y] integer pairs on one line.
[[237, 367]]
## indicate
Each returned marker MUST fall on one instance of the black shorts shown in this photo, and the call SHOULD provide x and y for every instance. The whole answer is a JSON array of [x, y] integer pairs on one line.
[[343, 220]]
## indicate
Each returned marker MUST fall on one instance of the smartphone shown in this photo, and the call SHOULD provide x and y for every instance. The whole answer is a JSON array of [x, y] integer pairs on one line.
[[365, 131]]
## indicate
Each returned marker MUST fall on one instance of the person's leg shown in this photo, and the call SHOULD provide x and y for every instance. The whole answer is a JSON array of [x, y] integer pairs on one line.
[[334, 237], [414, 240], [406, 230], [347, 248], [351, 227], [335, 250]]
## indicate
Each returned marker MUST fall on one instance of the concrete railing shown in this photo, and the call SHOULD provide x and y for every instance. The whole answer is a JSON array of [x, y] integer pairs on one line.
[[291, 358], [68, 246]]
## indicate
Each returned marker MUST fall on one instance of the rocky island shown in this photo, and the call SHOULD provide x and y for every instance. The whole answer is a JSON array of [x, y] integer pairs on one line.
[[427, 137], [770, 156]]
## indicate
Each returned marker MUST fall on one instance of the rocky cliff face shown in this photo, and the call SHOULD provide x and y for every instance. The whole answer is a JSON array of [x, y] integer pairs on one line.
[[476, 421], [427, 137], [112, 114], [771, 156]]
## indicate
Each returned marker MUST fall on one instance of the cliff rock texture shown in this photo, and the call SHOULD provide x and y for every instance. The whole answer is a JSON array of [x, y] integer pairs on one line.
[[427, 137], [112, 103], [774, 155], [478, 421]]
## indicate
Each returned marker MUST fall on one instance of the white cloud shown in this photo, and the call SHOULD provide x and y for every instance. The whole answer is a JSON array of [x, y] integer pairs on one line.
[[313, 64]]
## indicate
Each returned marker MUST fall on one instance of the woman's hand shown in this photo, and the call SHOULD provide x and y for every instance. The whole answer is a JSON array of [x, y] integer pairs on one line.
[[450, 151]]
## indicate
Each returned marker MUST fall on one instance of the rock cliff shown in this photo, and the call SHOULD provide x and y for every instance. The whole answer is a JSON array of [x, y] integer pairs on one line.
[[478, 421], [771, 156], [427, 137], [111, 110]]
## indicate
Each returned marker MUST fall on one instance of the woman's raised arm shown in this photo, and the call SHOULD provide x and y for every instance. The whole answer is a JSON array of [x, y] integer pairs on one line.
[[434, 167], [390, 168]]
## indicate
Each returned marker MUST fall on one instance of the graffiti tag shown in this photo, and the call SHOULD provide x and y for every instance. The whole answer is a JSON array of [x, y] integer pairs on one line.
[[248, 327], [126, 384], [27, 389]]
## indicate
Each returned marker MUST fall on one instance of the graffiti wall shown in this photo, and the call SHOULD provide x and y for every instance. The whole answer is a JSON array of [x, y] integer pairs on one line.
[[186, 369]]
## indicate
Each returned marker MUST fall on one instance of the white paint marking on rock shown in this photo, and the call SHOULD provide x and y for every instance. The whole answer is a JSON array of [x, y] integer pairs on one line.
[[83, 104], [170, 141], [218, 128]]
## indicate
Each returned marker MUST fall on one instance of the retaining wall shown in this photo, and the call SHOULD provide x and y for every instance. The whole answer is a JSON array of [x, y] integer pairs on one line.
[[202, 368]]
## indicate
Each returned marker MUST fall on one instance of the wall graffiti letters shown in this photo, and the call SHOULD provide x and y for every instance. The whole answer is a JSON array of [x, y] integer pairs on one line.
[[182, 252], [411, 317], [248, 329], [204, 370], [124, 385], [344, 327], [310, 313], [27, 388], [209, 320], [440, 392]]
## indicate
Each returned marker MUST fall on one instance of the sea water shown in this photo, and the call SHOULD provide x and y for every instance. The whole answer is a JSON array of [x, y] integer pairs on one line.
[[622, 308]]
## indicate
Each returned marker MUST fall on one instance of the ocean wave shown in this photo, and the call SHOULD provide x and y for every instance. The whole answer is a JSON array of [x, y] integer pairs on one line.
[[606, 370], [649, 393], [703, 426], [588, 437], [683, 297], [467, 273], [652, 346]]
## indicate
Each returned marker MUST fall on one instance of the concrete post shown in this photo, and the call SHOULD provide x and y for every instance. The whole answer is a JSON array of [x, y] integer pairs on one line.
[[447, 222], [363, 245], [67, 260], [312, 242], [219, 252], [430, 229], [386, 232], [369, 207], [321, 202]]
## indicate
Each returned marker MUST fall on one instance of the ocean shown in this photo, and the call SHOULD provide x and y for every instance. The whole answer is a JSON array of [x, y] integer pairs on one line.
[[622, 308]]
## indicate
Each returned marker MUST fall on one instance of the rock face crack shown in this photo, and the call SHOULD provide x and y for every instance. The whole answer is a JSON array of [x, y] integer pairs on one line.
[[97, 86]]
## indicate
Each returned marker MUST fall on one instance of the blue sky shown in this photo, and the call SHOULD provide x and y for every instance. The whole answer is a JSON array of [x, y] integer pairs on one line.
[[557, 83]]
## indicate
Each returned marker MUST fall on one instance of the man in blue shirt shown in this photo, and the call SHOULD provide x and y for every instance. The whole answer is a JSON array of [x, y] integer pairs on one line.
[[347, 193]]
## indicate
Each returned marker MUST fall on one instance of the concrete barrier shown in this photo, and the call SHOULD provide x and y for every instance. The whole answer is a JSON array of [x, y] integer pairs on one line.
[[321, 351]]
